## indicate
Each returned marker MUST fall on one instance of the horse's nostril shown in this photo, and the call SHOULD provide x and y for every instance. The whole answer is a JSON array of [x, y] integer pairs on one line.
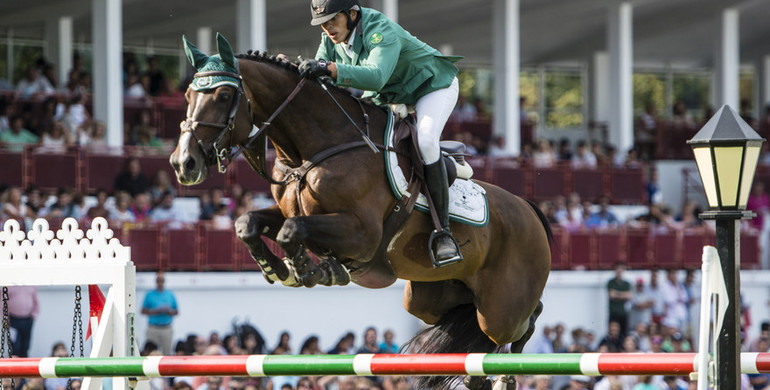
[[190, 164]]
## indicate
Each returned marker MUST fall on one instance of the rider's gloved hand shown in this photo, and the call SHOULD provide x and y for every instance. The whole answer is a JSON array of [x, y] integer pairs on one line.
[[314, 68]]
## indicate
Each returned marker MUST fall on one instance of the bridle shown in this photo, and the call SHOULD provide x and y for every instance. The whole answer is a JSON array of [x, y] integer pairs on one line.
[[227, 154], [191, 125]]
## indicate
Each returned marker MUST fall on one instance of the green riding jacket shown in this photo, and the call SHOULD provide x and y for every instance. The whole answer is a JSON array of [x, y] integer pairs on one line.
[[389, 63]]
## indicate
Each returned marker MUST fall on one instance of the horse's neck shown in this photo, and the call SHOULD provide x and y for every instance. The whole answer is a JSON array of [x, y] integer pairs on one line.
[[310, 123]]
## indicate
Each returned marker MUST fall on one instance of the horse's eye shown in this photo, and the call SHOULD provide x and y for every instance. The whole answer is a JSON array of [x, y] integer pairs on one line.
[[224, 97]]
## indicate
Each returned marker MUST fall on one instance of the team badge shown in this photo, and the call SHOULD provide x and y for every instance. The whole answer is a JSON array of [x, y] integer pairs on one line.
[[375, 38]]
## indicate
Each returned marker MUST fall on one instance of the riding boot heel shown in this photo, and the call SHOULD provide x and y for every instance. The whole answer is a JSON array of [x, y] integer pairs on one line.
[[446, 251]]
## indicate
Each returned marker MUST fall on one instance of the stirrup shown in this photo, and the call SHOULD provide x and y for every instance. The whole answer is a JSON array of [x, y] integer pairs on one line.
[[442, 263]]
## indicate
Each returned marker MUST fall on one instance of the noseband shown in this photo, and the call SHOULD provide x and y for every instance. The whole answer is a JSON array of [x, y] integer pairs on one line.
[[191, 124]]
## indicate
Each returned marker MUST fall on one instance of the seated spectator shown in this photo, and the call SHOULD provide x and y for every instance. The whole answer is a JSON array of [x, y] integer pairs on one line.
[[56, 138], [165, 211], [583, 158], [15, 137], [221, 218], [689, 217], [73, 112], [210, 203], [143, 128], [64, 207], [602, 218], [141, 206], [543, 156], [632, 161], [565, 151], [132, 180], [681, 118], [464, 111], [121, 213], [759, 202], [161, 183], [613, 341], [97, 136], [35, 200], [135, 89], [32, 85], [100, 209], [14, 208], [497, 148]]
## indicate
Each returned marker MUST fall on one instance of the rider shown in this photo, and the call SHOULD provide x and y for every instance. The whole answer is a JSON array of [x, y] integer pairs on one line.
[[363, 49]]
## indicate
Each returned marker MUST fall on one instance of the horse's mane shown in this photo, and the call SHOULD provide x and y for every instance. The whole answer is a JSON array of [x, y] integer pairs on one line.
[[291, 66]]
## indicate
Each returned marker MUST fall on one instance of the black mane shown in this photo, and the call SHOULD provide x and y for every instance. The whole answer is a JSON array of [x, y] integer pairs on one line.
[[294, 67]]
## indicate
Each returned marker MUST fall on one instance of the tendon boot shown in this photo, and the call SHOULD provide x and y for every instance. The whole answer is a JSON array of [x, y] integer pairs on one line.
[[446, 250]]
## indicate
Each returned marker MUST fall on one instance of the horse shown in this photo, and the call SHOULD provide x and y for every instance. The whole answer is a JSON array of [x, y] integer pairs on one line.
[[335, 205]]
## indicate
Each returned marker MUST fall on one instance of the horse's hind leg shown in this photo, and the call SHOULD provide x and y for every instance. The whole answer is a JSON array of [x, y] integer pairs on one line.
[[250, 227], [508, 382], [518, 345]]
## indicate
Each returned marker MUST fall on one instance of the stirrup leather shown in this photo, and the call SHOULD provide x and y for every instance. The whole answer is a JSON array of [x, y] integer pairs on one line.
[[442, 263]]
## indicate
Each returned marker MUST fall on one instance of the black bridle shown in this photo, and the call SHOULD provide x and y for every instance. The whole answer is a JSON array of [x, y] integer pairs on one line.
[[214, 153]]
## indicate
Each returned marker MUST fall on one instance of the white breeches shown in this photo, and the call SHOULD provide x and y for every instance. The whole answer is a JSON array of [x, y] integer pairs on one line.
[[433, 111]]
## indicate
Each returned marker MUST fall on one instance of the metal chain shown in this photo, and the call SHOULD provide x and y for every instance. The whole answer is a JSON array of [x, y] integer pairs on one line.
[[77, 328], [6, 334]]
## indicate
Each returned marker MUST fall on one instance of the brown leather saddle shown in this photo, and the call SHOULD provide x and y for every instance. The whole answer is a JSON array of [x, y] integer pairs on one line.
[[378, 272]]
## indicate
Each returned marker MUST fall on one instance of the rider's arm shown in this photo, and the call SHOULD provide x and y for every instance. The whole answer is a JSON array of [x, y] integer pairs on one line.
[[374, 71]]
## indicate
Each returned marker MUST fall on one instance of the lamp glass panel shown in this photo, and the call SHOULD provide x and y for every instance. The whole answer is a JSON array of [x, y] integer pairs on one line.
[[727, 160], [705, 166], [749, 167]]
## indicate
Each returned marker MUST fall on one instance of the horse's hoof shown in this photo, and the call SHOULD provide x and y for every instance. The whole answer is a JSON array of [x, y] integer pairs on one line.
[[293, 280], [505, 382], [334, 274], [477, 383]]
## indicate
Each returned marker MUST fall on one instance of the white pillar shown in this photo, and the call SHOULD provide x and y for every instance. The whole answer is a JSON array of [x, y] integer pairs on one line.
[[506, 116], [203, 40], [764, 88], [390, 9], [728, 60], [108, 67], [64, 60], [620, 39], [58, 47], [251, 20], [600, 81]]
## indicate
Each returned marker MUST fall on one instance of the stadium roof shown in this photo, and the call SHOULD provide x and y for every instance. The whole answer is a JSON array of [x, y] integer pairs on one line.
[[678, 32]]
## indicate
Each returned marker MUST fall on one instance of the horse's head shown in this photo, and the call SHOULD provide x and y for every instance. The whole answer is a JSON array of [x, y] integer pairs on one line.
[[215, 108]]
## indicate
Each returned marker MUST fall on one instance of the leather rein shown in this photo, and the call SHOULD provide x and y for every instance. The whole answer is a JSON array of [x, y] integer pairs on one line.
[[226, 155]]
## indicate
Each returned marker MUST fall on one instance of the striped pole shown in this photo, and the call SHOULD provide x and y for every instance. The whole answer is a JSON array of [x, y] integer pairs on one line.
[[593, 364]]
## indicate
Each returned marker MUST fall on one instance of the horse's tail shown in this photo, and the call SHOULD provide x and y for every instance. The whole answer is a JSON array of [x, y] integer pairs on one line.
[[456, 332], [543, 220]]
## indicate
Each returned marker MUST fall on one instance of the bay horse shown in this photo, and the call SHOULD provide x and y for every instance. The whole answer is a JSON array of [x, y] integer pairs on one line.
[[335, 206]]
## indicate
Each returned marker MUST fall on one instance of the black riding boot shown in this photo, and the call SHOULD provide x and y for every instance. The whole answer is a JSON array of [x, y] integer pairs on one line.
[[446, 249]]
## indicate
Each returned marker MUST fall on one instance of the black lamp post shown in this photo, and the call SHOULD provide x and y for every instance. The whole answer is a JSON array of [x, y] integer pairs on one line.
[[727, 151]]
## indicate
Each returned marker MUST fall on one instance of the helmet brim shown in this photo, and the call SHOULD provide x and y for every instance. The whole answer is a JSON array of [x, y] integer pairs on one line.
[[322, 19]]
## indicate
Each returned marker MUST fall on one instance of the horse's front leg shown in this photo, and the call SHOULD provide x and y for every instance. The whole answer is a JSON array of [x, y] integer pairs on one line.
[[337, 235], [250, 227]]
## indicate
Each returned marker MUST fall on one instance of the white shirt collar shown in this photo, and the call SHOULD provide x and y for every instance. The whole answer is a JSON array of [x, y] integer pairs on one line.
[[349, 45]]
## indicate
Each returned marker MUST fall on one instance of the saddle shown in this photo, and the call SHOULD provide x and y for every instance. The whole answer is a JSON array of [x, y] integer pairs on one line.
[[378, 272]]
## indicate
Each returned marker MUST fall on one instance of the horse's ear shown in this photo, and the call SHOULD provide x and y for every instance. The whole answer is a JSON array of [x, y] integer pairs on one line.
[[225, 51], [197, 58]]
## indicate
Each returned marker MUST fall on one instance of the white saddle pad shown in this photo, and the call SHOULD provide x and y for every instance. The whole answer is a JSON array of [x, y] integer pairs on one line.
[[467, 200]]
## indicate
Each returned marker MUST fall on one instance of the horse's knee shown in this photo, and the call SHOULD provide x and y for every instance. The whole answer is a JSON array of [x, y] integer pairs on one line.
[[292, 233], [247, 227], [504, 329]]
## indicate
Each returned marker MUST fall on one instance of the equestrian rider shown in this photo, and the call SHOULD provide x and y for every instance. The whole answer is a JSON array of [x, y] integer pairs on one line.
[[363, 49]]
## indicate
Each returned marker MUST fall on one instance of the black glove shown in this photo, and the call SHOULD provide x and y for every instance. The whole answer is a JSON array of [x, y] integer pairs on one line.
[[314, 68]]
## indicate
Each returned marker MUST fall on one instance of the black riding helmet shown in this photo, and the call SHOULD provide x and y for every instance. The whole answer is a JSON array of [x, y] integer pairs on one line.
[[324, 10]]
